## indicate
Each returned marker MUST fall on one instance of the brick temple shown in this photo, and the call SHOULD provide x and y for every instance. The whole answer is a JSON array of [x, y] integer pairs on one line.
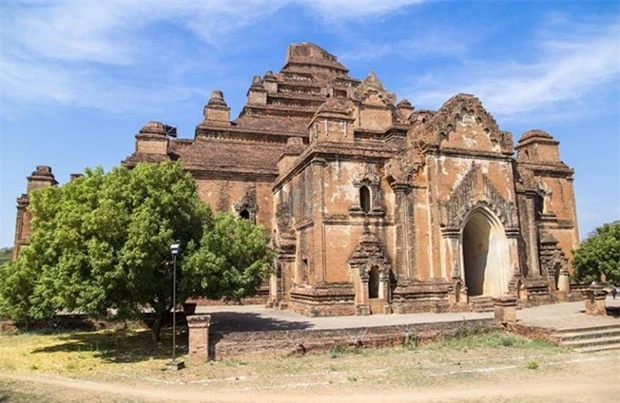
[[374, 206]]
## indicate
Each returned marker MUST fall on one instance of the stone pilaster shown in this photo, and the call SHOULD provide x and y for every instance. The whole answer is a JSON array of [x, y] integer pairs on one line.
[[199, 337], [532, 235], [318, 205], [452, 239], [505, 308], [594, 298], [401, 261]]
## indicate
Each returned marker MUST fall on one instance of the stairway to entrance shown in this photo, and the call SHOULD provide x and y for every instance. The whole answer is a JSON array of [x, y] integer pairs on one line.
[[588, 339], [481, 304]]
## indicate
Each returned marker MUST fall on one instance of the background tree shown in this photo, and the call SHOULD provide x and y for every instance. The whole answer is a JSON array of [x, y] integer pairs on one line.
[[102, 242], [5, 255], [599, 254]]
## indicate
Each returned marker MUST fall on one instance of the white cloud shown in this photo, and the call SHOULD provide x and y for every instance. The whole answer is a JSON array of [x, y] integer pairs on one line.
[[561, 73], [355, 9], [102, 54]]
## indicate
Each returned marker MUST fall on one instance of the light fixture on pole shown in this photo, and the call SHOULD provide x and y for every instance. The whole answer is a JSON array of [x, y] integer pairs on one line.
[[174, 364]]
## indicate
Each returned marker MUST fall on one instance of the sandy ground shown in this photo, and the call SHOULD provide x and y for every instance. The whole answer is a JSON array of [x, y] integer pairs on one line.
[[99, 368], [453, 377]]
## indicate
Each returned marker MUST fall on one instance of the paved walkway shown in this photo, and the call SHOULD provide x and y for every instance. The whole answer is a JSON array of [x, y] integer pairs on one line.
[[566, 315], [257, 317]]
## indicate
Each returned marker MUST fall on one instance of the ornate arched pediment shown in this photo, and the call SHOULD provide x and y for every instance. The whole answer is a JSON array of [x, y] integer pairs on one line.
[[247, 203], [474, 191], [369, 176], [552, 256], [464, 110], [400, 171], [368, 254], [284, 219], [371, 90], [406, 166]]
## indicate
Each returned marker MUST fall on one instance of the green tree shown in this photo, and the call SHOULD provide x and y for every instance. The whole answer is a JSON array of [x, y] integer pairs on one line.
[[16, 283], [231, 262], [5, 255], [599, 254], [101, 243]]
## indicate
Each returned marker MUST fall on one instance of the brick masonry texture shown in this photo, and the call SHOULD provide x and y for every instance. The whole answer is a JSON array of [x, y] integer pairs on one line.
[[374, 207]]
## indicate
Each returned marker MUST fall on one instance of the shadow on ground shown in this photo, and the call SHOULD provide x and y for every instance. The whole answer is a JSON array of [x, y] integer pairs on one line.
[[613, 311], [225, 321], [121, 346], [130, 345]]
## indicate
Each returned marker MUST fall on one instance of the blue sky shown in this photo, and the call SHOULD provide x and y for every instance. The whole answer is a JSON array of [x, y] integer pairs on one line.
[[79, 78]]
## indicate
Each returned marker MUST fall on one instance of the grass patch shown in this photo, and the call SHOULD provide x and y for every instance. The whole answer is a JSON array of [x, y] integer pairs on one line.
[[127, 355], [531, 365], [495, 339], [233, 362], [410, 341], [336, 352], [339, 351]]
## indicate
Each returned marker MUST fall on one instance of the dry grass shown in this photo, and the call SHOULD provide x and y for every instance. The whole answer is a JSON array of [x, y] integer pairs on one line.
[[116, 354], [82, 353], [128, 359]]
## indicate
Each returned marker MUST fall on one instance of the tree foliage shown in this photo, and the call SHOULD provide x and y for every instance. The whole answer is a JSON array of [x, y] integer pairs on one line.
[[5, 255], [599, 254], [232, 260], [101, 243]]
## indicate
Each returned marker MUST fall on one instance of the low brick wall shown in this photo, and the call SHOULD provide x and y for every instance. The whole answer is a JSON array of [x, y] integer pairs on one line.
[[290, 342], [532, 332]]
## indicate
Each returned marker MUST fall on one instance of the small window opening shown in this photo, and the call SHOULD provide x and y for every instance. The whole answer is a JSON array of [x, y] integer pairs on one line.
[[365, 199], [539, 206], [373, 282], [304, 269], [556, 276], [245, 214]]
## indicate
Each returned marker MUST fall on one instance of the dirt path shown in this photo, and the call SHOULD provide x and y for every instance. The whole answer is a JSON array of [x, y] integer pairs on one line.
[[581, 379]]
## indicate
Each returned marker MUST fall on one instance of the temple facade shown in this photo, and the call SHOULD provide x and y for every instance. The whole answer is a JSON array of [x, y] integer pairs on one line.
[[373, 206]]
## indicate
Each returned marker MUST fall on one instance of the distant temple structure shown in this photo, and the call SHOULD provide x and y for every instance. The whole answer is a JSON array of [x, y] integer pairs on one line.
[[374, 206]]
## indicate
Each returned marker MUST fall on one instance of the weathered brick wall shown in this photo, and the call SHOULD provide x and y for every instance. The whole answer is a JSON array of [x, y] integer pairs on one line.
[[290, 342], [152, 146], [221, 194]]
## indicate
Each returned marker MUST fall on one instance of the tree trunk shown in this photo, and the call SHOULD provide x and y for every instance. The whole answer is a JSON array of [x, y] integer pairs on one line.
[[156, 327]]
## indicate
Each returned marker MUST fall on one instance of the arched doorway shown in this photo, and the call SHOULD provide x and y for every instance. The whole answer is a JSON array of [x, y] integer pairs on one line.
[[365, 199], [485, 255], [373, 282], [556, 276]]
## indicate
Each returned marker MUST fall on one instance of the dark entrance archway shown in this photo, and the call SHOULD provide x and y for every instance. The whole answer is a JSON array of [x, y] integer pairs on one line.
[[373, 282]]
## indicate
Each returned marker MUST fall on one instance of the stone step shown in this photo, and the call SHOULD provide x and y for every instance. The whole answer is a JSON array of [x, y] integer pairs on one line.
[[594, 349], [587, 328], [482, 309], [600, 341], [480, 300], [589, 334], [481, 304]]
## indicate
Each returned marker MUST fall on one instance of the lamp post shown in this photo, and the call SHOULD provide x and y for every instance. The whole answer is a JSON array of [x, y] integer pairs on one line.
[[174, 364]]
